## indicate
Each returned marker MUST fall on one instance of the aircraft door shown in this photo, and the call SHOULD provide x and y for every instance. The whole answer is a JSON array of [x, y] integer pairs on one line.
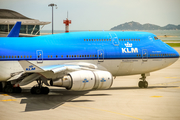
[[100, 56], [144, 55], [114, 39], [39, 56]]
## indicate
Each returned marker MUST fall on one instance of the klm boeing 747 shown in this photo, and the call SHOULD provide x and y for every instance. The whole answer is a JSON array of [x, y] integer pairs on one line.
[[80, 60]]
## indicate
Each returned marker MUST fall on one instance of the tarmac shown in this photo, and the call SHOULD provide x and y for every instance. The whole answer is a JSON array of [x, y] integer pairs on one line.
[[123, 101]]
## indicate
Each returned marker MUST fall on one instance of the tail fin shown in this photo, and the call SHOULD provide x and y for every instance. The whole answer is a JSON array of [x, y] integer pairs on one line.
[[15, 30]]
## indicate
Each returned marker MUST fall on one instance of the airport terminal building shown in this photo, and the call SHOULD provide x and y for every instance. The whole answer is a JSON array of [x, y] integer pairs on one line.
[[29, 27]]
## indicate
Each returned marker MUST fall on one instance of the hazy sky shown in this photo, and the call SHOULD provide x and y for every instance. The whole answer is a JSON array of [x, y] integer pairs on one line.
[[98, 14]]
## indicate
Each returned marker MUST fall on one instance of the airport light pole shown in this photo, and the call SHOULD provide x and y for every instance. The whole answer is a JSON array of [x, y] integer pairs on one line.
[[52, 5]]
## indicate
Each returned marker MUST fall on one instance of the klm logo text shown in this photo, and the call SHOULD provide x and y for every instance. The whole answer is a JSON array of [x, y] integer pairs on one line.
[[30, 68], [129, 48]]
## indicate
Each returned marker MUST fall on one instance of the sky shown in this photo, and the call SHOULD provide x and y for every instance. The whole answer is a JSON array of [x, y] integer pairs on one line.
[[97, 14]]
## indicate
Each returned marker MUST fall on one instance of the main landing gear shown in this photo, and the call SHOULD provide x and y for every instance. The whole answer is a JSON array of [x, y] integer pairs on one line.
[[7, 87], [143, 83], [39, 89]]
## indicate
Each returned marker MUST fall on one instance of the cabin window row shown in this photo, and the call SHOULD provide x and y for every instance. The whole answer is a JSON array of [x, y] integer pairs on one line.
[[16, 56], [97, 39], [162, 54], [76, 56], [110, 39], [129, 39]]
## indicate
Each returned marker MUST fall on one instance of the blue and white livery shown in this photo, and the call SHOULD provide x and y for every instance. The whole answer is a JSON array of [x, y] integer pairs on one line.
[[80, 60]]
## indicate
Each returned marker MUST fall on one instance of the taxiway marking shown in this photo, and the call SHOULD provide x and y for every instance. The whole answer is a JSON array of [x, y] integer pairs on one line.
[[157, 96], [8, 100]]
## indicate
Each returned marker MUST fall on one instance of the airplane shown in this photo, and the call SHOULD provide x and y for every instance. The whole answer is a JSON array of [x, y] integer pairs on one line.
[[80, 61]]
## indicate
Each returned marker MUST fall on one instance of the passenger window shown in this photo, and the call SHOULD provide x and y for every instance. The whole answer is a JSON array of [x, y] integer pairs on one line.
[[48, 56], [9, 56], [27, 56], [87, 55], [30, 56], [51, 56], [67, 56], [72, 55], [12, 56], [89, 39], [24, 56], [62, 56], [18, 56], [56, 56], [124, 39], [84, 39], [15, 56], [95, 55], [82, 55], [104, 39], [6, 56], [92, 39], [90, 55], [109, 39], [99, 39], [137, 55]]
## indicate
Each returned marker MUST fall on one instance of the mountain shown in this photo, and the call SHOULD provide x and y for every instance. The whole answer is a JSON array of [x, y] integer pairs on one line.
[[137, 26]]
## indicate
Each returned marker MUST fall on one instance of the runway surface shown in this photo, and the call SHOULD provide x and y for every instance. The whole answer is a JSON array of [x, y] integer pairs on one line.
[[123, 101]]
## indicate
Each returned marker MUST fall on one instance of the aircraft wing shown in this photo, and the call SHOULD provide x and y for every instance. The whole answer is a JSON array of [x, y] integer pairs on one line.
[[30, 67], [32, 72]]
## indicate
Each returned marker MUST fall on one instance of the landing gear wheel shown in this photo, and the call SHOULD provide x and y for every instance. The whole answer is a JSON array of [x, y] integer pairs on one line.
[[35, 90], [145, 84], [1, 87], [17, 90], [44, 90], [141, 84], [8, 89]]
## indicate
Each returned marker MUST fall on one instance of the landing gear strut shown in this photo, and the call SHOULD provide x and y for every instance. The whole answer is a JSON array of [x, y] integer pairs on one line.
[[39, 89], [143, 83]]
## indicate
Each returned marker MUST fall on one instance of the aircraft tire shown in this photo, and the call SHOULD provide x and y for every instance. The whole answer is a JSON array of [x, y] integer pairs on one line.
[[145, 84], [44, 90], [1, 87], [140, 84], [33, 90], [17, 90], [8, 89]]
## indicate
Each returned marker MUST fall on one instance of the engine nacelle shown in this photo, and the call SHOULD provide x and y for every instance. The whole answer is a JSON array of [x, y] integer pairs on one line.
[[104, 80], [85, 80]]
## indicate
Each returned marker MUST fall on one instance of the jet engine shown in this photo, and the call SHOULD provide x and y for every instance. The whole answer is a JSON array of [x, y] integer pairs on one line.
[[85, 80]]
